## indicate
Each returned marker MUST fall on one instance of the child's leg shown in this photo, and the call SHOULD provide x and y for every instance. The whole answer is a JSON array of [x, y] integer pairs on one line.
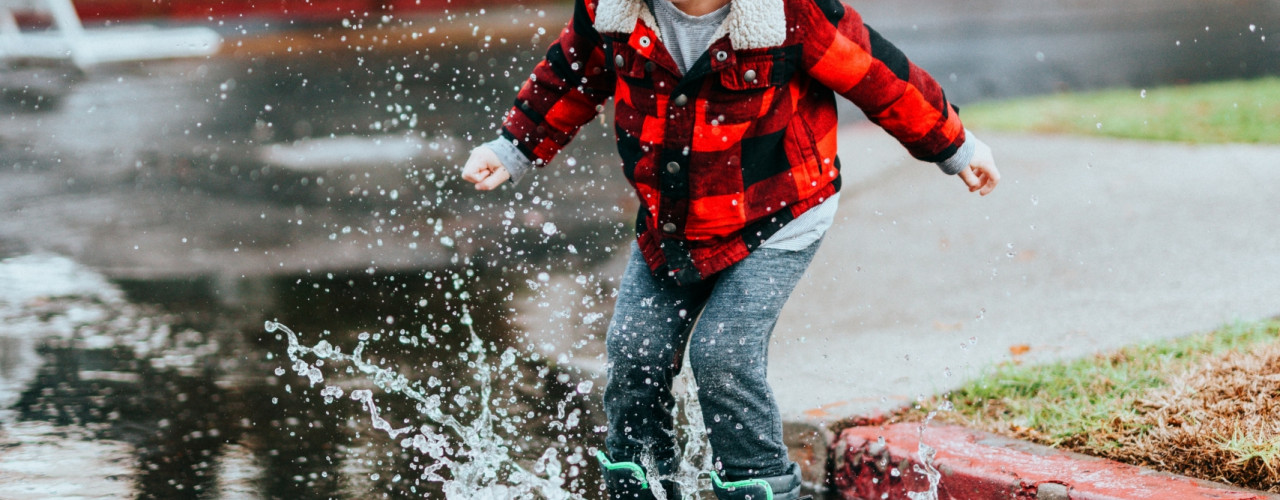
[[728, 351], [644, 343]]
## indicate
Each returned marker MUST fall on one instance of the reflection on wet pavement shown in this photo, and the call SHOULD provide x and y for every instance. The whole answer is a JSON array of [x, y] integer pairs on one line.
[[181, 402]]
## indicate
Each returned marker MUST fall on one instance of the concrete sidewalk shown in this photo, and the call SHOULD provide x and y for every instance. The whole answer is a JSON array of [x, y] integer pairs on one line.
[[1087, 245]]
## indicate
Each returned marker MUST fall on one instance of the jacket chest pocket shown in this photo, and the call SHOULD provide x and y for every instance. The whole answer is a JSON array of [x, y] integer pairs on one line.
[[743, 92], [634, 87]]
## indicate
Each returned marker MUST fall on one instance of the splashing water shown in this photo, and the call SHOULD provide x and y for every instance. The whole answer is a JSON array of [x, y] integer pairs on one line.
[[697, 457], [925, 454], [468, 459], [474, 459]]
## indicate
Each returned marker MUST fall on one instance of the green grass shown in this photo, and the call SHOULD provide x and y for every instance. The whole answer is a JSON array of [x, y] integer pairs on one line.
[[1089, 404], [1250, 446], [1235, 111]]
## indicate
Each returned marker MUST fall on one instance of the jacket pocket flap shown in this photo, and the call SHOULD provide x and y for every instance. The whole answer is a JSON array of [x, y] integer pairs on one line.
[[748, 74]]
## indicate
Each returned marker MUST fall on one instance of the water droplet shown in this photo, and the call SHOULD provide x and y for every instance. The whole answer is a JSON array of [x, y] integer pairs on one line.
[[271, 326]]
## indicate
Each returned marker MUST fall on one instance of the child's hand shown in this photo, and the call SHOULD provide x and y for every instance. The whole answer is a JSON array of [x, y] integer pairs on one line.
[[484, 169], [981, 175]]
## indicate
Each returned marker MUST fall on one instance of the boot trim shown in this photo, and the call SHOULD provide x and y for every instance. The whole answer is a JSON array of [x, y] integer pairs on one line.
[[745, 483], [635, 469]]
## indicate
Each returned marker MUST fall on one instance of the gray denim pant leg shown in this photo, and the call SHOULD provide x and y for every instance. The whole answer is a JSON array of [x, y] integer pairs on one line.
[[645, 344], [728, 352]]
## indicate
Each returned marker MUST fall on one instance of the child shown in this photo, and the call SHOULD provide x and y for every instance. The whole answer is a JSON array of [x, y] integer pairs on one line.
[[726, 121]]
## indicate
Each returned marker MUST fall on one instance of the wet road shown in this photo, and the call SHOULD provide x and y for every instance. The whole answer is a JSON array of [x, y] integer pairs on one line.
[[311, 182]]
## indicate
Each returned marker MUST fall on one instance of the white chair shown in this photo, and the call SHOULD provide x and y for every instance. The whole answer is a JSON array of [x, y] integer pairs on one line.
[[68, 40]]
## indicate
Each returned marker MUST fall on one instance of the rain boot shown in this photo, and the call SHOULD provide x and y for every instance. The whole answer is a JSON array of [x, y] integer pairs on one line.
[[784, 487], [627, 481]]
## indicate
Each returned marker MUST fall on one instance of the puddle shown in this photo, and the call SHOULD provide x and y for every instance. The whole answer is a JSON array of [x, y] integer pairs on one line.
[[191, 399]]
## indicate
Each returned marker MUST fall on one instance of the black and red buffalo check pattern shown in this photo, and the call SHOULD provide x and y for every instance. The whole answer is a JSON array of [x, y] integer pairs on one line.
[[722, 156]]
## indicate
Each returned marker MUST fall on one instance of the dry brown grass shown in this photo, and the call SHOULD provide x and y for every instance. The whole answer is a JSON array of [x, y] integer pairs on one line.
[[1203, 406], [1220, 421]]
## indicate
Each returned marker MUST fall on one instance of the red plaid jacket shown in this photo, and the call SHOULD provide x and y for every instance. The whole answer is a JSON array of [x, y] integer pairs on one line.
[[723, 156]]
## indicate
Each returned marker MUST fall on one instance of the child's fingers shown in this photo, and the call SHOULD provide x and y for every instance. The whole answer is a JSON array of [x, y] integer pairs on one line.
[[990, 178], [970, 179], [480, 165], [474, 171], [493, 179], [474, 176], [992, 173]]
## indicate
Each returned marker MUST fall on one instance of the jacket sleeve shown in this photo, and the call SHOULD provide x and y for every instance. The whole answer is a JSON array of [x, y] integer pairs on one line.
[[850, 58], [566, 90]]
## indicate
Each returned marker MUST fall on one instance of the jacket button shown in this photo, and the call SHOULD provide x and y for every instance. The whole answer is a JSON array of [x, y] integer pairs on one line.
[[721, 55], [681, 100], [669, 227], [644, 41], [618, 60], [649, 66], [749, 76], [673, 167]]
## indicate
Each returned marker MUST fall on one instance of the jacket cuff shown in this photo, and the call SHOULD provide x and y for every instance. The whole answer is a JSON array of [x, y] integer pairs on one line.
[[962, 156], [512, 159]]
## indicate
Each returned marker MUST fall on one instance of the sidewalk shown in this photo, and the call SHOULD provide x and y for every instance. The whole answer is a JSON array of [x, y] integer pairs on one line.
[[1088, 245]]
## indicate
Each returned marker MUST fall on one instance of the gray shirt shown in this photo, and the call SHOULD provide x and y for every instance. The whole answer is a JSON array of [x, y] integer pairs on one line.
[[686, 37]]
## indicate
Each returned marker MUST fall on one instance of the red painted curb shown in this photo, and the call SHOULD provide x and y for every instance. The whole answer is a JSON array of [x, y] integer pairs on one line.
[[880, 462]]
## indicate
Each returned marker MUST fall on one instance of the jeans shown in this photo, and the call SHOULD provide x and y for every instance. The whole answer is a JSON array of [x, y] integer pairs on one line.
[[725, 322]]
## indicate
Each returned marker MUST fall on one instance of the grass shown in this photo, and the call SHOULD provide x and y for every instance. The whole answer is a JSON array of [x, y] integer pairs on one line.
[[1234, 111], [1207, 406]]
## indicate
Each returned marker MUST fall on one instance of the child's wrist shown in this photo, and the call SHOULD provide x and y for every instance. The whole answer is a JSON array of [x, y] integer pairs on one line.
[[962, 156], [512, 159]]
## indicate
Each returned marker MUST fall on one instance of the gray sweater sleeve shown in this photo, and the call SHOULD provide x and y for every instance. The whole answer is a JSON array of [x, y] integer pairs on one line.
[[512, 159], [962, 157]]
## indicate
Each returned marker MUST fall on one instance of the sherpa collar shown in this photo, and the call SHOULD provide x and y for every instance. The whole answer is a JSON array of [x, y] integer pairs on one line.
[[751, 24]]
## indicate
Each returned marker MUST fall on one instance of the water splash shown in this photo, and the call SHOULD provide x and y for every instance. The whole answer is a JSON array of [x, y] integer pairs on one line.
[[469, 459], [697, 457], [925, 456]]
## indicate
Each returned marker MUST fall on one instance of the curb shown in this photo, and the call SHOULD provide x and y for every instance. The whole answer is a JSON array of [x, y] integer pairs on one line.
[[881, 462]]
